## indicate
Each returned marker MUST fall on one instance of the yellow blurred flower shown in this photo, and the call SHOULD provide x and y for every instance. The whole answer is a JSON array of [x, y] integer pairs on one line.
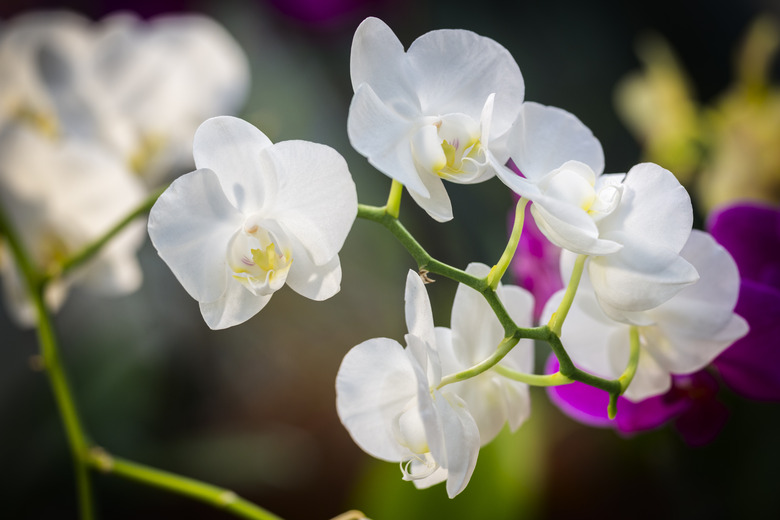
[[724, 152]]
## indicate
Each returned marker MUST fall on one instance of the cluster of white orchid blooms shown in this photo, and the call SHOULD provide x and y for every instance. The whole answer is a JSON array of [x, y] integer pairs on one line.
[[255, 216], [92, 115]]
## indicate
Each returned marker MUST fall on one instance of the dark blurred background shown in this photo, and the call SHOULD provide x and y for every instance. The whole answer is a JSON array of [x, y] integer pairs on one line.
[[252, 408]]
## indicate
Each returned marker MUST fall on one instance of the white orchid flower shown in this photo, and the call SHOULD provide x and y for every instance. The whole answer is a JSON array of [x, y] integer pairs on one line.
[[438, 111], [164, 77], [561, 162], [60, 197], [652, 223], [387, 399], [492, 399], [46, 60], [680, 336], [139, 88], [254, 217], [633, 225]]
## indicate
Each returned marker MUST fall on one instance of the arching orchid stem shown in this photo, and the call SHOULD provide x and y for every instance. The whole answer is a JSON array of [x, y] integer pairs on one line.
[[420, 255], [393, 206], [556, 379], [217, 497], [506, 345], [92, 249], [559, 316], [55, 371], [498, 270]]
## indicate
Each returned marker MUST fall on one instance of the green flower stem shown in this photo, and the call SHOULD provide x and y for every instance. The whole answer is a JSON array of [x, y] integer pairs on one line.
[[47, 339], [498, 270], [85, 454], [633, 360], [556, 379], [420, 255], [513, 333], [393, 206], [558, 317], [217, 497], [506, 345], [92, 249]]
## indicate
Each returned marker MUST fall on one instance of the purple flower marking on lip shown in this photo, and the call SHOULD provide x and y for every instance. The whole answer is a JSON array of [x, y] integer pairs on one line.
[[246, 261]]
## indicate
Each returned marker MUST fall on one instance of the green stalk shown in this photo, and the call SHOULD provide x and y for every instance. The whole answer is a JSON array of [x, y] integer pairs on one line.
[[556, 379], [47, 340], [393, 206], [217, 497], [558, 317], [498, 270], [502, 350], [633, 360], [90, 250]]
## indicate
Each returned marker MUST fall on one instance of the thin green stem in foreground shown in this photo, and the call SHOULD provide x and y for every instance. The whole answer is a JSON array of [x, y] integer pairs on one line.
[[498, 270], [217, 497], [90, 250], [47, 339], [559, 316]]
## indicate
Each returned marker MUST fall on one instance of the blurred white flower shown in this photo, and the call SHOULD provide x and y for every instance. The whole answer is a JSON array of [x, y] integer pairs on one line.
[[60, 197], [387, 399], [254, 216], [474, 336], [138, 88], [438, 111], [164, 78], [680, 336]]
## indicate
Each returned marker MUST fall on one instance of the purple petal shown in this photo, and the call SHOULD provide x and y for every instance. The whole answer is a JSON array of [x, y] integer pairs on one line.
[[751, 233], [692, 400], [751, 366]]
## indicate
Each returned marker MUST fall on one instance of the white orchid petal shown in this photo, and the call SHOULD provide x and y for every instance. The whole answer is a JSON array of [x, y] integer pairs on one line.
[[236, 305], [477, 330], [545, 137], [461, 440], [374, 385], [651, 377], [455, 71], [378, 59], [520, 185], [316, 201], [190, 226], [382, 135], [316, 282], [438, 204], [654, 209], [570, 227], [232, 148], [702, 308], [639, 276], [419, 317], [437, 477]]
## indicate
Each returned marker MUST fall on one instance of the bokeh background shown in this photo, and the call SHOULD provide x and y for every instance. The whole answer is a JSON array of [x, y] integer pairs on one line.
[[252, 408]]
